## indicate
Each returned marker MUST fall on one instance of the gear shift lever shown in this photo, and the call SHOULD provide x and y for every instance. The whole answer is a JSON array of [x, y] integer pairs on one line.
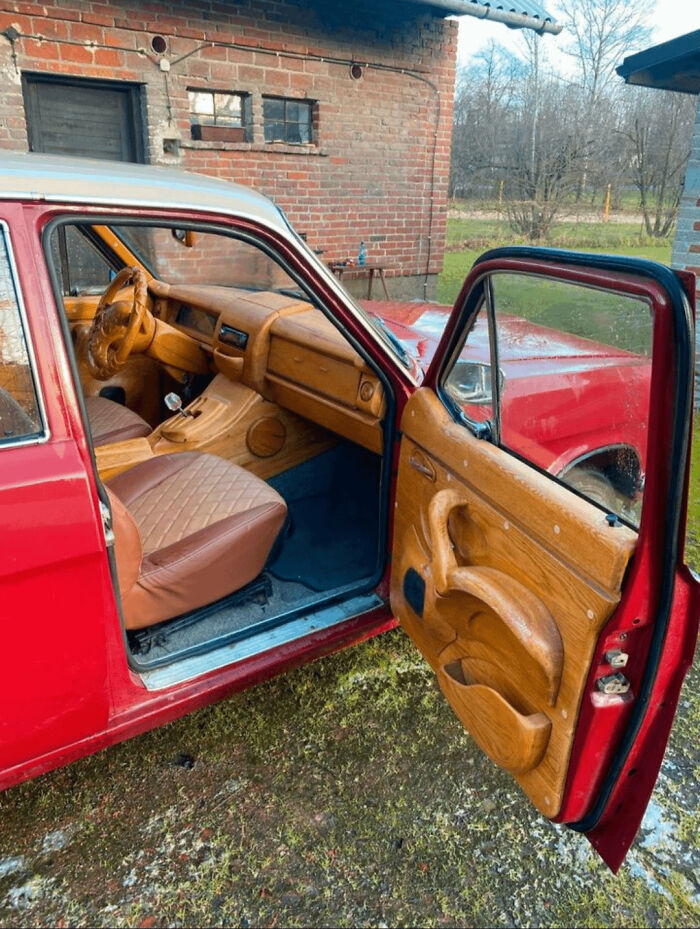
[[173, 402]]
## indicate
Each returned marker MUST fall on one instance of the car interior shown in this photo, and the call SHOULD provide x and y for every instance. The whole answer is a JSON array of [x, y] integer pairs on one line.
[[238, 434]]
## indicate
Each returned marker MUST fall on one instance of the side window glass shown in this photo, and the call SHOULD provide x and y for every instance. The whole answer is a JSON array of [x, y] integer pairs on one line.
[[204, 258], [19, 408], [81, 268], [571, 382], [469, 383]]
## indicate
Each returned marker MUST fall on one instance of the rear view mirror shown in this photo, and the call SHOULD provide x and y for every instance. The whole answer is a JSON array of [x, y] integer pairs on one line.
[[186, 237]]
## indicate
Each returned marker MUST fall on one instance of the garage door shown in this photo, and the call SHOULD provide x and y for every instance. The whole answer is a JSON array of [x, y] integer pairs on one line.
[[98, 119]]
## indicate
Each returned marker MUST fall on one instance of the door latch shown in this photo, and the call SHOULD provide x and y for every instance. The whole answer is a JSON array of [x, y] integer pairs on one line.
[[107, 524], [615, 683], [616, 658]]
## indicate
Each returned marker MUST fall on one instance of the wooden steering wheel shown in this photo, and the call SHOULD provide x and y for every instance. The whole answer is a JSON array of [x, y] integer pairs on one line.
[[117, 325]]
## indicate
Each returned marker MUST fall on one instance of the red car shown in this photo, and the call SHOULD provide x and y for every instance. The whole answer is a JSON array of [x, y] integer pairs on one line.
[[217, 466], [598, 447]]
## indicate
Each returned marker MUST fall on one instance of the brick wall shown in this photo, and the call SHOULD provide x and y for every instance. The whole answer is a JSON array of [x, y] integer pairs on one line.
[[369, 176], [686, 245]]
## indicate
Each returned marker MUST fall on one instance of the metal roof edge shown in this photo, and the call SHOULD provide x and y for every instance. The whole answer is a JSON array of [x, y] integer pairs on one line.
[[60, 178], [642, 64], [521, 15]]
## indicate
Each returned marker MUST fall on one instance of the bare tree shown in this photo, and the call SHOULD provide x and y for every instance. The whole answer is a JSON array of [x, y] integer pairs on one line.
[[603, 32], [546, 158], [659, 128], [546, 151], [483, 102]]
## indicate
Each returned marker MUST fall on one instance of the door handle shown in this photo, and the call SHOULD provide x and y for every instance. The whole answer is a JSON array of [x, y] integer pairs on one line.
[[444, 561], [421, 464]]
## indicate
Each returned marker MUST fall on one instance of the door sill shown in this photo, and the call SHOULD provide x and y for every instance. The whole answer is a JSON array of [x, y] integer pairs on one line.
[[325, 618]]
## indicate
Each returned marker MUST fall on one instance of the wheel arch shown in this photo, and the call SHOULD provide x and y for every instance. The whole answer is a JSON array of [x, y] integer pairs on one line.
[[619, 462]]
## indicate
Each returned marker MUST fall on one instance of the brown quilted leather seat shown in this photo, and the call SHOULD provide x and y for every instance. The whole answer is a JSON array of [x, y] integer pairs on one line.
[[113, 422], [189, 529]]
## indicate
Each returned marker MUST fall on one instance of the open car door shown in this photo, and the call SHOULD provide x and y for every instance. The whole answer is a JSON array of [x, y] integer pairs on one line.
[[539, 526]]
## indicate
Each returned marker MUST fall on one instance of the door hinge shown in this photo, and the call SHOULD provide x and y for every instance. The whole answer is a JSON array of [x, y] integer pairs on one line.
[[107, 524], [615, 683]]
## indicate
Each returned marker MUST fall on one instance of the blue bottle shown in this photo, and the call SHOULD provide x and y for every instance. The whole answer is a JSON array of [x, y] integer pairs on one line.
[[362, 255]]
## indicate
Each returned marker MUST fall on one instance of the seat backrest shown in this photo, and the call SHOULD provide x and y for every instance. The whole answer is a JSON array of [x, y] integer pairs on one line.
[[128, 551]]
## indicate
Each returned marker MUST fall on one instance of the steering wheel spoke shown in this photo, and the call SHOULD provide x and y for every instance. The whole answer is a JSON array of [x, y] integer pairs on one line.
[[117, 325]]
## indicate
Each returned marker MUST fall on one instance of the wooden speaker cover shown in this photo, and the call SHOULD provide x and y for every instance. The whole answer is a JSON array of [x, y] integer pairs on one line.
[[266, 436]]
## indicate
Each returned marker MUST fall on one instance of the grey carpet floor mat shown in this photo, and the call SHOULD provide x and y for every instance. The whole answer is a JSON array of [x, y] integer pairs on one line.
[[226, 621]]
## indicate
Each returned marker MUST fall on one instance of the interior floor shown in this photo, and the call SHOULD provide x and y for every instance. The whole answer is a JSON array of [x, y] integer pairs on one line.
[[328, 547], [333, 526]]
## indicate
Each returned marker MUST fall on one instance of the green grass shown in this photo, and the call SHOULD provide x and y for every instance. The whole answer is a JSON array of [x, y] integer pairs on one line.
[[692, 541], [458, 263], [474, 232]]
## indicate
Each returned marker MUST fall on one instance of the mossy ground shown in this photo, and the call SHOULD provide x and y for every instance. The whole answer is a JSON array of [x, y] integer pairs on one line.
[[344, 793]]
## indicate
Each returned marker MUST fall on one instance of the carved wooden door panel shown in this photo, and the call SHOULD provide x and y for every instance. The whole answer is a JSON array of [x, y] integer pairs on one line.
[[544, 583]]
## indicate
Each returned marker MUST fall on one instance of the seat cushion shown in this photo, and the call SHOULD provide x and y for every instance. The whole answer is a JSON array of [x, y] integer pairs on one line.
[[206, 528], [113, 422]]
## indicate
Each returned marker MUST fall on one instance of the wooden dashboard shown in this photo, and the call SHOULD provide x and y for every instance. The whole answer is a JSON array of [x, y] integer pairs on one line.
[[283, 348]]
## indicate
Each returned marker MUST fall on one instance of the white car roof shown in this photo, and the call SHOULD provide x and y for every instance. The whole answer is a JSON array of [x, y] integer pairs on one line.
[[56, 178]]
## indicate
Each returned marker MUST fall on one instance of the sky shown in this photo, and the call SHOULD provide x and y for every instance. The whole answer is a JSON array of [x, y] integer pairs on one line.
[[668, 19]]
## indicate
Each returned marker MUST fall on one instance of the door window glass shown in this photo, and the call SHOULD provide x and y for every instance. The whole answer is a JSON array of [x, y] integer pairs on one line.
[[81, 267], [19, 407], [469, 383], [572, 377], [207, 258]]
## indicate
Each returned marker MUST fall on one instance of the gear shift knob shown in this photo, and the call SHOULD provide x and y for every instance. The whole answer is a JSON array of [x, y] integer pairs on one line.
[[173, 402]]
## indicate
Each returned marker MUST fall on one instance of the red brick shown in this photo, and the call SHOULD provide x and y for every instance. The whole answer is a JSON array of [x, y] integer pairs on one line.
[[77, 53], [35, 49], [51, 28], [372, 169], [86, 32], [108, 56], [98, 20]]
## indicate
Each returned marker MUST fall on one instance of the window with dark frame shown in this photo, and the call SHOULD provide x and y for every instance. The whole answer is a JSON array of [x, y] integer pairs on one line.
[[289, 121], [20, 416], [220, 115]]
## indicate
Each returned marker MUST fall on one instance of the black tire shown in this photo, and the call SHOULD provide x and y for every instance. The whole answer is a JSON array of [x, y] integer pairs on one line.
[[596, 486]]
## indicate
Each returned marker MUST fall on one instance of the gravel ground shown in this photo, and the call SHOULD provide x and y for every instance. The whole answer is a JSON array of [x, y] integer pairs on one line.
[[342, 794], [581, 215]]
